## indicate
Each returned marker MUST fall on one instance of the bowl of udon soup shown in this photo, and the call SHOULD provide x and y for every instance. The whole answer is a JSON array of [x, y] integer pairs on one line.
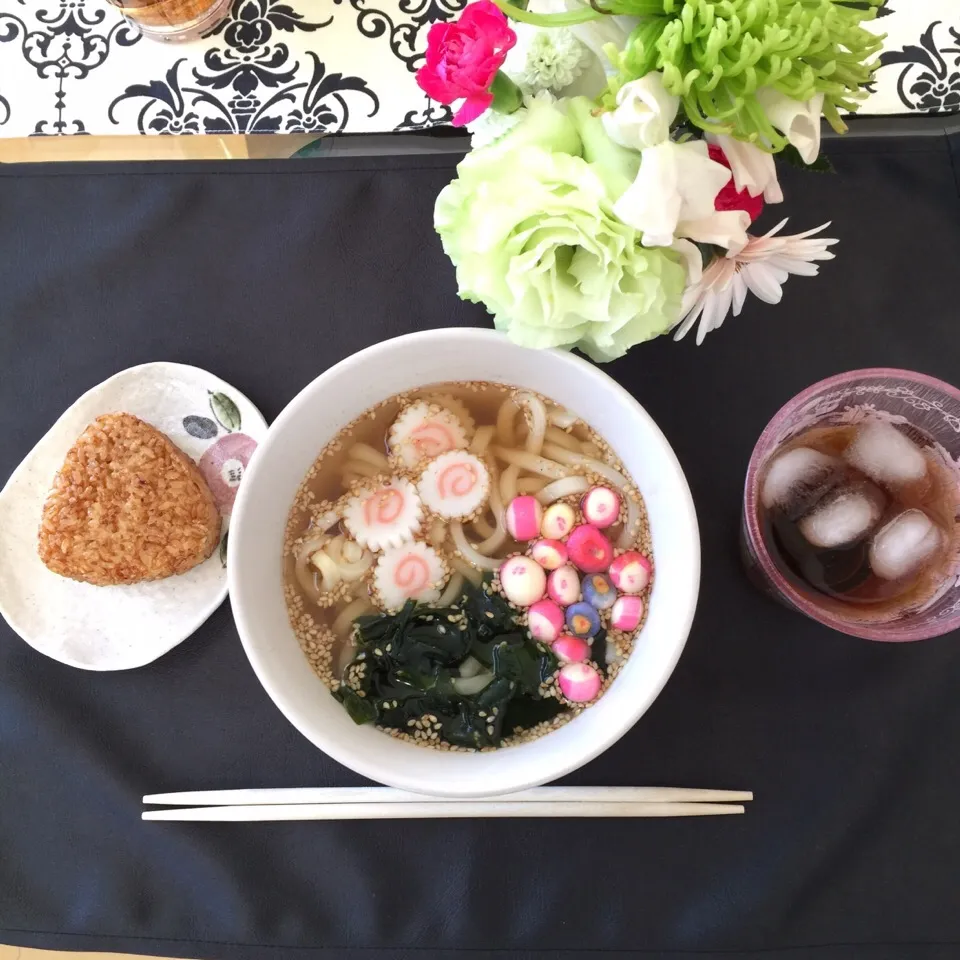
[[462, 567]]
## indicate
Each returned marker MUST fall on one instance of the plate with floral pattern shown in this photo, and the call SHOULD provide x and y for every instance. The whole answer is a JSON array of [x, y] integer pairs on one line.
[[120, 627]]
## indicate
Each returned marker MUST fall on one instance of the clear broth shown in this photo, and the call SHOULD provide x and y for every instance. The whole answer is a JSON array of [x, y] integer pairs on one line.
[[324, 631]]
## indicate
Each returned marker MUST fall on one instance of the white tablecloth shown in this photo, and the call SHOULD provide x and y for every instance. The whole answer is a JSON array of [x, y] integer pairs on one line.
[[293, 66]]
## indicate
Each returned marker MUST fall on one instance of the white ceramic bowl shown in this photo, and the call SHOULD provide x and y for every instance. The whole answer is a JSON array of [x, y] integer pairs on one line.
[[310, 421]]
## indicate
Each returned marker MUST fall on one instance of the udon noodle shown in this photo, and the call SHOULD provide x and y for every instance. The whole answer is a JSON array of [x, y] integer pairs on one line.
[[462, 498]]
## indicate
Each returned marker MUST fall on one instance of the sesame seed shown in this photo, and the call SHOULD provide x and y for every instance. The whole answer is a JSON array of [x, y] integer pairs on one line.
[[322, 490]]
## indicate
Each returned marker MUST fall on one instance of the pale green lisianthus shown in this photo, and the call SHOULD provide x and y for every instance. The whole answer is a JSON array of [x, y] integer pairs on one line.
[[529, 225]]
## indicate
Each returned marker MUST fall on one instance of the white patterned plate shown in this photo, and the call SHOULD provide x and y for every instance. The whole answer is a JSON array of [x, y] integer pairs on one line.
[[116, 628]]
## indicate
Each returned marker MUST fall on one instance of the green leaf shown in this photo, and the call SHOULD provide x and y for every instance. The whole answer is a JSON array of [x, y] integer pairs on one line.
[[792, 156], [464, 728], [495, 696], [526, 665], [225, 410], [525, 713], [489, 612], [598, 651], [412, 658], [223, 549], [507, 97], [361, 709]]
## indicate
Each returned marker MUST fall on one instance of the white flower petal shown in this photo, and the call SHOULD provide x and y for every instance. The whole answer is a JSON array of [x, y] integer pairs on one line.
[[739, 293], [643, 115], [595, 34], [762, 282], [677, 182], [754, 170], [801, 268], [723, 228], [548, 59], [689, 320], [692, 260], [798, 120], [716, 308], [810, 233], [490, 126], [778, 228]]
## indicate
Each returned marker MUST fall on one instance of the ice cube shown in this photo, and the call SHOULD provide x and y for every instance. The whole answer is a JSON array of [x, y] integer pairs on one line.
[[844, 516], [797, 479], [904, 544], [885, 455]]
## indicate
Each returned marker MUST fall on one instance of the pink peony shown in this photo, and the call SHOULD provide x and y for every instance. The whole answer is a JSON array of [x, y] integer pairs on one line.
[[222, 466], [463, 58]]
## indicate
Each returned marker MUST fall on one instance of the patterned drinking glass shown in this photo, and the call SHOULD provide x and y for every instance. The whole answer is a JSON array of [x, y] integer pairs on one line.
[[173, 19], [897, 396]]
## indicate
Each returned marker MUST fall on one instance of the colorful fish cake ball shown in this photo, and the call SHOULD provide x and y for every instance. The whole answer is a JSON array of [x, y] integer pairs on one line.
[[579, 682], [563, 585], [571, 649], [626, 614], [550, 554], [523, 518], [589, 549], [583, 620], [522, 581], [545, 621], [630, 572], [601, 507], [558, 520], [598, 591]]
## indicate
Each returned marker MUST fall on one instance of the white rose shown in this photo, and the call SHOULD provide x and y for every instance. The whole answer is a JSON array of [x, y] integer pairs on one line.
[[798, 120], [673, 196], [753, 169], [643, 115]]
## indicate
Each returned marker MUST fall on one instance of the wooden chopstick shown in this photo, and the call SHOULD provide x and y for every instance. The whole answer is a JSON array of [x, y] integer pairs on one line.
[[343, 795], [442, 809]]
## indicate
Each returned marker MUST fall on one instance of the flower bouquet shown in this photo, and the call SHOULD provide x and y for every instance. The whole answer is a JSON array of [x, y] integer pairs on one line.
[[622, 149]]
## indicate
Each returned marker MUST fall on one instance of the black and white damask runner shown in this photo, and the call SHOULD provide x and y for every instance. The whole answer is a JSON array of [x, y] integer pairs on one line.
[[327, 66]]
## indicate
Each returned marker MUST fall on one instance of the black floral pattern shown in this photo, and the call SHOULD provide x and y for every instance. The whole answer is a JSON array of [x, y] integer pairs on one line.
[[930, 81], [249, 84], [301, 66], [407, 37], [431, 115], [67, 43]]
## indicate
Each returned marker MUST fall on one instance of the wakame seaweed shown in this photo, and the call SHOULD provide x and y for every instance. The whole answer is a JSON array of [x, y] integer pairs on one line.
[[404, 671]]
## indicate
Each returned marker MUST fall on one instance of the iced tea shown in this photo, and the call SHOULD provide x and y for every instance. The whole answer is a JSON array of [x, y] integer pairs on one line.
[[863, 516]]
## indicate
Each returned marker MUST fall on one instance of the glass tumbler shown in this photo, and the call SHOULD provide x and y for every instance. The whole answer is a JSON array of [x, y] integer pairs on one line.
[[173, 19], [899, 397]]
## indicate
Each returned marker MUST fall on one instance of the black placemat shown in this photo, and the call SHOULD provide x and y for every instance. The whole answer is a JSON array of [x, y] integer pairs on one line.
[[266, 273]]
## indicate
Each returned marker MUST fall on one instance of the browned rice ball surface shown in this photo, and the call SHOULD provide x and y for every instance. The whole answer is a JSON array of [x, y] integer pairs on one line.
[[126, 506]]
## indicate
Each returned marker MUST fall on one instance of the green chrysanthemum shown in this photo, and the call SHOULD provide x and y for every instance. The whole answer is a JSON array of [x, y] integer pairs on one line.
[[716, 54]]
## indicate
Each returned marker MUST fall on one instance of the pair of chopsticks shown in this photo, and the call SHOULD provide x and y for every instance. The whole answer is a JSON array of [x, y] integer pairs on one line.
[[384, 803]]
